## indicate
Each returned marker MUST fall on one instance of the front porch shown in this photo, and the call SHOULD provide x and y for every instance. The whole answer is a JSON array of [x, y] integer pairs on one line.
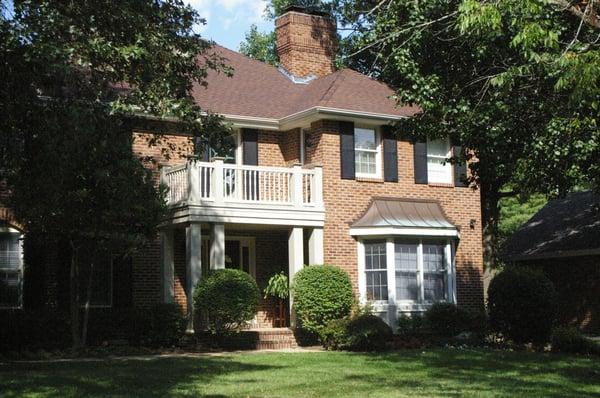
[[189, 252]]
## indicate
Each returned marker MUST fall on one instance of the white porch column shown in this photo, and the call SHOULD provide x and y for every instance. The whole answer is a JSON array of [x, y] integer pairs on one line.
[[193, 268], [168, 265], [315, 247], [217, 246], [295, 262]]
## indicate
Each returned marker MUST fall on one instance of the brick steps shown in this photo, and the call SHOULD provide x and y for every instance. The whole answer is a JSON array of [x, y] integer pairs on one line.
[[273, 339]]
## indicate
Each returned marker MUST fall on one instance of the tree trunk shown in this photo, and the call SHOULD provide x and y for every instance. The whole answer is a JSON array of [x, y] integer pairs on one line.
[[86, 314], [490, 213], [74, 298]]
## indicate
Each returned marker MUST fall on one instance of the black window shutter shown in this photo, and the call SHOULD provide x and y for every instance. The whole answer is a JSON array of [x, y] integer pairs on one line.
[[420, 155], [250, 147], [390, 155], [347, 150], [460, 169]]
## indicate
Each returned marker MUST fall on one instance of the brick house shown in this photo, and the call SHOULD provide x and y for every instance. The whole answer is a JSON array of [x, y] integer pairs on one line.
[[314, 177]]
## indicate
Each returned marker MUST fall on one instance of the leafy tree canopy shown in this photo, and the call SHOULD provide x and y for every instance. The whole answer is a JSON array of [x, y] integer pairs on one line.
[[260, 46]]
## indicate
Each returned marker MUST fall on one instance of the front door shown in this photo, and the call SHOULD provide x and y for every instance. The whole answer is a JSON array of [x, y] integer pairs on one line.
[[239, 254]]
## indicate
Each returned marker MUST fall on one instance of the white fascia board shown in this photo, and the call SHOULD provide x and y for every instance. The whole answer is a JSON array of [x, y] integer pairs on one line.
[[399, 231], [305, 117], [251, 122]]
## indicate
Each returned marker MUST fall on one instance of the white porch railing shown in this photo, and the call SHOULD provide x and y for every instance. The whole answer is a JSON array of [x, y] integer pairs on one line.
[[201, 183]]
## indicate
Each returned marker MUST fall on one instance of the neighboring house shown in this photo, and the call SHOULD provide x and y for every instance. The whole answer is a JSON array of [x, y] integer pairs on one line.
[[315, 176], [563, 240]]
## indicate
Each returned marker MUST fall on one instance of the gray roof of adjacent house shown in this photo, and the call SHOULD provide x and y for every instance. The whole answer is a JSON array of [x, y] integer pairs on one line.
[[401, 214], [566, 227]]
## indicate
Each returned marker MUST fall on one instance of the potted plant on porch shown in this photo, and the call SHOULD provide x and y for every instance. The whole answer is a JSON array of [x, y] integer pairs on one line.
[[278, 288]]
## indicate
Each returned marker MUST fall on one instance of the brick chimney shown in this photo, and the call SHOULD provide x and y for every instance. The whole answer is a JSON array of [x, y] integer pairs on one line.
[[306, 42]]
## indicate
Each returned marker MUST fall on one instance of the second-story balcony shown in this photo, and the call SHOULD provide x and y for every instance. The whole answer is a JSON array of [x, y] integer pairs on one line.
[[220, 192]]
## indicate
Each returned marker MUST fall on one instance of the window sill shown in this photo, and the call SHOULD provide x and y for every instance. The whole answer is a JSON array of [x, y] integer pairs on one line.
[[370, 179], [441, 185]]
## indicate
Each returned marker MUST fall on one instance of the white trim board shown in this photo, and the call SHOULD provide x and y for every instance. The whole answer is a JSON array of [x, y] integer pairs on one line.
[[403, 231]]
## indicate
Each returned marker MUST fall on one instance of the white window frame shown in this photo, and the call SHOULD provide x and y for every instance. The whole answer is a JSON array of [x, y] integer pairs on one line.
[[392, 305], [377, 151], [18, 270], [449, 177]]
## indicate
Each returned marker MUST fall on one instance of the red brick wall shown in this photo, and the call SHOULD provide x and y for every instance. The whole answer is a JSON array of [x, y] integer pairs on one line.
[[347, 200], [306, 44]]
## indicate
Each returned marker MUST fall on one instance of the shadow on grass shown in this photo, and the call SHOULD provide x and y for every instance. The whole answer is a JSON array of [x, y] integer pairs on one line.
[[451, 372], [126, 378]]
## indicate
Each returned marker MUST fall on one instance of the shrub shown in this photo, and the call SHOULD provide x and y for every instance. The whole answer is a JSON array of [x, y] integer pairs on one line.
[[522, 305], [32, 330], [322, 293], [446, 319], [367, 333], [571, 341], [167, 325], [410, 325], [228, 297], [334, 336]]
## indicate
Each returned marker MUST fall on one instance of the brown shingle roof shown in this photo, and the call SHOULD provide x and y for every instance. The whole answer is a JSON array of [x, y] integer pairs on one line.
[[260, 90]]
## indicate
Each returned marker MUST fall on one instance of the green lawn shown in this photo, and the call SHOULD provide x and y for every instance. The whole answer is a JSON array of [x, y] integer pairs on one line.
[[409, 373]]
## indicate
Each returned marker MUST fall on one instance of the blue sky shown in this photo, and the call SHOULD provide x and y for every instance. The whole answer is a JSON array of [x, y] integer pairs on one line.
[[229, 20]]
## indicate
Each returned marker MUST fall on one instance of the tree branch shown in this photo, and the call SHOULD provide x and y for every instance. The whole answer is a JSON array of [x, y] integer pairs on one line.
[[591, 19]]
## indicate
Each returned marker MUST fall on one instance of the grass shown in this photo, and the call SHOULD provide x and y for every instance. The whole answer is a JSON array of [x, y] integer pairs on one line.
[[439, 372]]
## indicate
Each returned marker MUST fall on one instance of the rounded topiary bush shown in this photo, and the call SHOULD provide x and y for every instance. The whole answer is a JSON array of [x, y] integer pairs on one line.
[[322, 293], [446, 319], [368, 333], [522, 305], [228, 297]]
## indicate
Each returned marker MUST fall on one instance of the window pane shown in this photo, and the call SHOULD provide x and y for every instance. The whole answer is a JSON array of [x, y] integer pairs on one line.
[[364, 139], [376, 271], [433, 257], [434, 268], [365, 162], [10, 289], [405, 260], [95, 277], [10, 251], [438, 148]]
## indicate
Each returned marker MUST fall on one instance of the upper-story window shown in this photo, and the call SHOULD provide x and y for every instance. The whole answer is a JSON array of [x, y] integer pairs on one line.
[[438, 169], [11, 264], [367, 152]]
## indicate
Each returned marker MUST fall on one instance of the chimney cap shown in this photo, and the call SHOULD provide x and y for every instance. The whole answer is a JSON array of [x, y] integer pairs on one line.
[[305, 10]]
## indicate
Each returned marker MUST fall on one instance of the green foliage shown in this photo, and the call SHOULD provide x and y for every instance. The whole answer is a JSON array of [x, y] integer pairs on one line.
[[260, 46], [334, 335], [80, 74], [410, 325], [570, 340], [278, 286], [322, 293], [516, 211], [276, 7], [522, 305], [228, 297], [166, 325], [446, 319], [368, 333]]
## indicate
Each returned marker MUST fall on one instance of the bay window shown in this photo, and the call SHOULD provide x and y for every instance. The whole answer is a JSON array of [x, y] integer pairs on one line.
[[410, 273]]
